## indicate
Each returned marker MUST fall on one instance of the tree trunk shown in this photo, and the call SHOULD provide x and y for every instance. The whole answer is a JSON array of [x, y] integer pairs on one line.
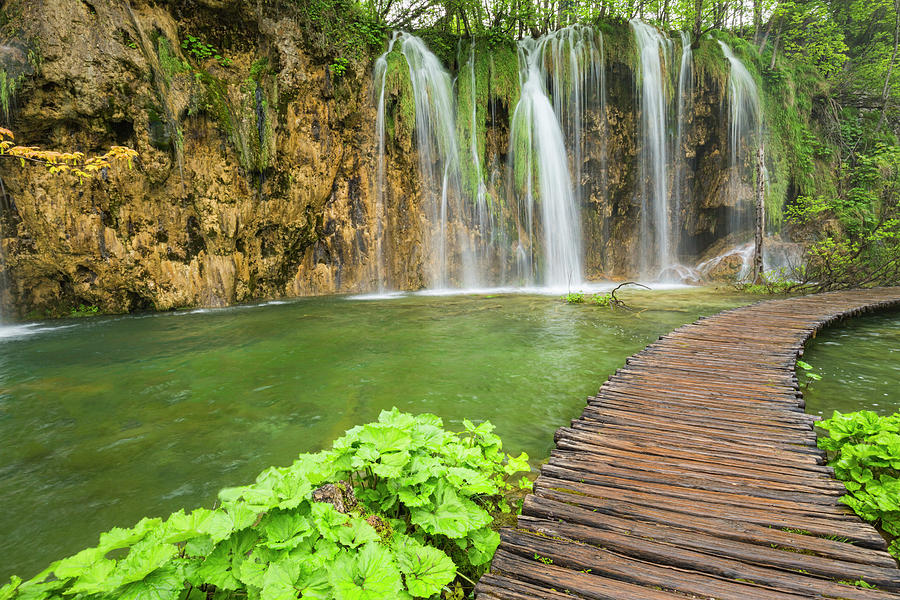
[[885, 93], [698, 22], [760, 214], [775, 50], [757, 20]]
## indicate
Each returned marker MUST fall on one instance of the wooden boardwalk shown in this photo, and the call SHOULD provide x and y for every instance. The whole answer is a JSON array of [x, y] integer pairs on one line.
[[694, 473]]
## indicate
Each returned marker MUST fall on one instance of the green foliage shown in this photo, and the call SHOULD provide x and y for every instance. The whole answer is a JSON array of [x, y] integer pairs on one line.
[[9, 85], [605, 300], [810, 375], [859, 583], [340, 33], [169, 61], [861, 247], [865, 451], [602, 299], [259, 68], [417, 517], [84, 310], [202, 51], [339, 66]]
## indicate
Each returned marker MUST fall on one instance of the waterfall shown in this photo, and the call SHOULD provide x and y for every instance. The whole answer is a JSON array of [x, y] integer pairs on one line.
[[381, 65], [744, 137], [685, 110], [448, 240], [483, 214], [653, 49], [573, 66], [539, 159]]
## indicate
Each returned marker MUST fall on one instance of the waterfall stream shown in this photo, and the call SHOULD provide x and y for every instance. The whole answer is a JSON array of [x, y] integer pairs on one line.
[[540, 161], [685, 110], [744, 137], [656, 247]]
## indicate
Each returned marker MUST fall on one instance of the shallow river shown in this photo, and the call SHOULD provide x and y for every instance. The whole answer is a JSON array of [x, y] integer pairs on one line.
[[109, 419]]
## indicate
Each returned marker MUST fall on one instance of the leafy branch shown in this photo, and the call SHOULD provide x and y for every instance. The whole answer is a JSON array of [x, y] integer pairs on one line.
[[72, 163]]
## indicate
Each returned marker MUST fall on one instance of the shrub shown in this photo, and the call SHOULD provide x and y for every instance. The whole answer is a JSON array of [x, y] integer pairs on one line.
[[407, 512], [866, 456]]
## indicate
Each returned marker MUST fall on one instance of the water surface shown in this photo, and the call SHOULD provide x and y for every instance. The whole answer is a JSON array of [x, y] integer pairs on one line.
[[108, 419], [859, 362]]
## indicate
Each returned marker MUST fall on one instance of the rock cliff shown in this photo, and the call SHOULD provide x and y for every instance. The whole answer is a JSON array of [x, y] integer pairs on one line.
[[257, 159]]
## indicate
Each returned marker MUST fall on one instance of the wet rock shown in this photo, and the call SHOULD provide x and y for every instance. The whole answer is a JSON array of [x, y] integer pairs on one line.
[[340, 495]]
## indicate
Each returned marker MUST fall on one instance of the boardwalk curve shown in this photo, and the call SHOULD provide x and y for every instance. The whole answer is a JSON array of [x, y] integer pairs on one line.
[[694, 473]]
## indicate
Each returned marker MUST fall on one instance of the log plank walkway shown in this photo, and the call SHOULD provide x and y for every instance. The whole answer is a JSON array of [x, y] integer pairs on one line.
[[694, 473]]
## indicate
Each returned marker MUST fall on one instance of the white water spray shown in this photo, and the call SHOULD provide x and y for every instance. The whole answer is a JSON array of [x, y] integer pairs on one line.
[[653, 49], [744, 137], [540, 162], [685, 110]]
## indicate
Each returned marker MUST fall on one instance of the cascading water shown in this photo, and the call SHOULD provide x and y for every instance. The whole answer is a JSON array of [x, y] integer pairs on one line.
[[572, 63], [541, 171], [527, 230], [381, 66], [439, 166], [744, 137], [483, 214], [685, 110], [656, 247]]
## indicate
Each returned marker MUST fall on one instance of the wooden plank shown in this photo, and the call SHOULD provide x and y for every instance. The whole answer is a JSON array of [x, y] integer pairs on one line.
[[613, 565], [582, 493], [565, 438], [733, 529], [579, 582], [695, 492], [663, 554], [668, 464], [692, 479], [496, 587], [538, 510]]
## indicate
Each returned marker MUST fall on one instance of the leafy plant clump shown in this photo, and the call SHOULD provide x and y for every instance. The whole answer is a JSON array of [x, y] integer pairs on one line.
[[85, 310], [202, 51], [811, 375], [606, 300], [407, 511], [866, 457]]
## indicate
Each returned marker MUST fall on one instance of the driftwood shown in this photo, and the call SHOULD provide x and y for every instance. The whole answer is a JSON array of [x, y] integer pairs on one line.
[[615, 302]]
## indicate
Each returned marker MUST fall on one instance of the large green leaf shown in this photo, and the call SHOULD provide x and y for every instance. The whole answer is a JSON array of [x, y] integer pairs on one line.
[[391, 464], [77, 564], [123, 538], [385, 438], [452, 516], [427, 569], [370, 574], [484, 544], [356, 533], [165, 584], [285, 530], [279, 580], [8, 590]]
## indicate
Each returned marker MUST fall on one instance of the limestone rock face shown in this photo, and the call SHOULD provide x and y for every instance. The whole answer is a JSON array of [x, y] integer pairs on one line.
[[252, 179], [256, 172]]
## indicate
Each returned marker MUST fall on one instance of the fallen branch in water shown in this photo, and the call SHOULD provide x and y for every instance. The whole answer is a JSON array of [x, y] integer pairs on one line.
[[613, 301]]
